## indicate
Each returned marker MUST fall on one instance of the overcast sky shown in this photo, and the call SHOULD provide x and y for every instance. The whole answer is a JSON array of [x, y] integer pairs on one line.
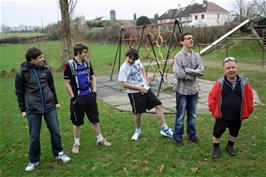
[[44, 12]]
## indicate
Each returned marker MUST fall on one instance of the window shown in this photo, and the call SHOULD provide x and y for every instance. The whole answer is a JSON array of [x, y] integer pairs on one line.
[[202, 16], [218, 16], [196, 17]]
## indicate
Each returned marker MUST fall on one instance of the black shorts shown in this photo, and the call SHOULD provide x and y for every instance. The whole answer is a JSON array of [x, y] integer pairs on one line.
[[221, 124], [140, 103], [80, 105]]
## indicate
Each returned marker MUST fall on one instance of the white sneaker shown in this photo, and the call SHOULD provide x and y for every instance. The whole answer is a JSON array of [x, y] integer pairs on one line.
[[104, 142], [167, 133], [75, 148], [62, 156], [136, 136], [31, 166]]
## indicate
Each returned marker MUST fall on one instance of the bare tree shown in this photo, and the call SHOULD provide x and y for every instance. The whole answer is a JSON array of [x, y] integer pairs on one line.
[[67, 8], [260, 7], [250, 9], [72, 5], [243, 8]]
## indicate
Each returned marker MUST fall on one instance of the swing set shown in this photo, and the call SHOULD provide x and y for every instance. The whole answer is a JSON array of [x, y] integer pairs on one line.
[[153, 38]]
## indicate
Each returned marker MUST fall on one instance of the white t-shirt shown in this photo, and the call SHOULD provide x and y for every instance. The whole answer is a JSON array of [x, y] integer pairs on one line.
[[132, 74]]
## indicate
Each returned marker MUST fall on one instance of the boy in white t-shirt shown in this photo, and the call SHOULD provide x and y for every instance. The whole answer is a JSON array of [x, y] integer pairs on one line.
[[132, 77]]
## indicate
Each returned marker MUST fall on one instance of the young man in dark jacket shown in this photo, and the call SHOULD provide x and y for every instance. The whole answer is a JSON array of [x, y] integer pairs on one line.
[[230, 102], [36, 97]]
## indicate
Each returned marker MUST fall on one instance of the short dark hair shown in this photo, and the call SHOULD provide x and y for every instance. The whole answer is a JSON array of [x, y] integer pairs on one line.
[[79, 47], [132, 54], [32, 53], [182, 35]]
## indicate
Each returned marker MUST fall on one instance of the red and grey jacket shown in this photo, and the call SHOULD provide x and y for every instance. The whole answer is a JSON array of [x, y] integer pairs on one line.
[[215, 99]]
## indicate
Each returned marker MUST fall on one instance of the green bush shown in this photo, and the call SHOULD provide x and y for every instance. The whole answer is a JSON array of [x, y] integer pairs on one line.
[[262, 21], [143, 20], [206, 35]]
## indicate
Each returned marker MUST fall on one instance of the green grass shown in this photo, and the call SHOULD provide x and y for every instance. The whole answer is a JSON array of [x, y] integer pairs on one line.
[[13, 55], [102, 56], [145, 157], [246, 51], [20, 34]]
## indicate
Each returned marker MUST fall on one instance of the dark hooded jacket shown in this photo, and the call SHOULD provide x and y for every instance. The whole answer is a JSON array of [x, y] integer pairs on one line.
[[35, 89]]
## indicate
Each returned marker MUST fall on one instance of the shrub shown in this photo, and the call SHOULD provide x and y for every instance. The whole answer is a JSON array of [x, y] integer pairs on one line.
[[143, 20], [13, 40], [262, 21]]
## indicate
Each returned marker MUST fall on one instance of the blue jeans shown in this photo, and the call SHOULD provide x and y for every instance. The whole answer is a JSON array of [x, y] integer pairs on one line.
[[185, 103], [35, 121]]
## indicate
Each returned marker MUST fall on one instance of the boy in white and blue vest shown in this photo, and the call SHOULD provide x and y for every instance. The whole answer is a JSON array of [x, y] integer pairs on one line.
[[80, 83]]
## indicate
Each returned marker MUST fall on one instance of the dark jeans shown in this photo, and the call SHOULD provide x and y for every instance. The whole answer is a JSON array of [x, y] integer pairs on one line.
[[35, 121], [185, 103]]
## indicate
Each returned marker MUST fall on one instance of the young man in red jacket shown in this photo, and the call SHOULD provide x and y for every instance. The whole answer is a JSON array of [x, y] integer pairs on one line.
[[230, 102]]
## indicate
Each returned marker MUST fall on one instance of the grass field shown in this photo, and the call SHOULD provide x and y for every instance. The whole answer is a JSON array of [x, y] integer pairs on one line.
[[247, 51], [152, 155], [20, 34], [102, 56]]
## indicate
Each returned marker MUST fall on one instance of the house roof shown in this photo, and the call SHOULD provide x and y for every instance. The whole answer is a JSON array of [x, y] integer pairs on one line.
[[192, 9], [212, 7], [172, 13]]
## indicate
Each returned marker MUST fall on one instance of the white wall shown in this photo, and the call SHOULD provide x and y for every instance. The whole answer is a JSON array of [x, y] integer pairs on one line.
[[210, 18]]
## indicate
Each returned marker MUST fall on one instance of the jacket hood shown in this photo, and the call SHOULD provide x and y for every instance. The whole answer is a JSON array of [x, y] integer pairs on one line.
[[28, 65], [239, 77]]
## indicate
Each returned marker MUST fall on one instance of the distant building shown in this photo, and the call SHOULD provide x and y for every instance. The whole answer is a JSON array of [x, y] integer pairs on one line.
[[79, 23], [98, 18], [112, 15], [205, 14], [82, 20]]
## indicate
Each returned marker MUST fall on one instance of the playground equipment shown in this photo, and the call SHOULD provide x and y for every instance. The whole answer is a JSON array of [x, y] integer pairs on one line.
[[259, 31], [223, 37], [153, 38]]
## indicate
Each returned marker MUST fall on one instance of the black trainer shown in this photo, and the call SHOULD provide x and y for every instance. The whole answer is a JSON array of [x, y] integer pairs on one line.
[[216, 153], [194, 140], [179, 142], [230, 150]]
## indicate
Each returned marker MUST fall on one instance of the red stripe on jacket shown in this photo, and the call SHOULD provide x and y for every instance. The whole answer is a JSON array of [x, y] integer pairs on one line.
[[214, 101]]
